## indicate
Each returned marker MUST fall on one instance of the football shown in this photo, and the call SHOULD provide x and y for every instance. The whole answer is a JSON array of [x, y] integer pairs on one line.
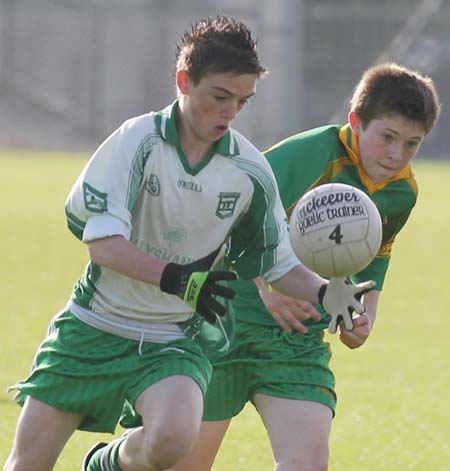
[[335, 230]]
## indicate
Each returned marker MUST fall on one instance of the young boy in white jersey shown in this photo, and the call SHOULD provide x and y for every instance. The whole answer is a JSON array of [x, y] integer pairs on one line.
[[155, 205], [286, 375]]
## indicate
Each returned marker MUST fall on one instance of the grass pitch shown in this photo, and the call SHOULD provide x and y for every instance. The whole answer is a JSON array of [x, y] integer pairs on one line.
[[393, 411]]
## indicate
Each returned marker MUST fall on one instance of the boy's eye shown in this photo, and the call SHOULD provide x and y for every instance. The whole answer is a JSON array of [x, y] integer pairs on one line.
[[387, 137], [412, 145], [220, 98]]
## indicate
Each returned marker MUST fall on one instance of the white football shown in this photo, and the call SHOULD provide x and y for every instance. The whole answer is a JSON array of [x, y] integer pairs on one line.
[[335, 230]]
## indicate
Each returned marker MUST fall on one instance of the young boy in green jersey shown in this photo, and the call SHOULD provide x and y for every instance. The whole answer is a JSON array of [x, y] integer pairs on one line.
[[284, 372], [155, 204]]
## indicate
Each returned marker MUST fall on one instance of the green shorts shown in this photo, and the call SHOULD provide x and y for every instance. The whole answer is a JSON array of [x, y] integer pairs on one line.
[[82, 369], [268, 360]]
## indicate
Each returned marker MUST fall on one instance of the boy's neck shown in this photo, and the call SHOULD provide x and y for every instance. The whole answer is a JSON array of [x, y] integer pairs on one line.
[[194, 148]]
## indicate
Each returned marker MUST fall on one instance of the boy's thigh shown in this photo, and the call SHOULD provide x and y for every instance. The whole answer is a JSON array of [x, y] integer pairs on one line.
[[37, 446], [298, 430], [174, 402]]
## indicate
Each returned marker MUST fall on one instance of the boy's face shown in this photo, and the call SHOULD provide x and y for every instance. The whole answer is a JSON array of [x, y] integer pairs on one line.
[[387, 144], [209, 107]]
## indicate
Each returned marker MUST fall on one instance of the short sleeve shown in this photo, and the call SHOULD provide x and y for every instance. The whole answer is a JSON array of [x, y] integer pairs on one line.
[[106, 188]]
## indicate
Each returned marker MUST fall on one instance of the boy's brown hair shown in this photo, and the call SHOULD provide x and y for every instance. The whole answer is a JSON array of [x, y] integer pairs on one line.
[[390, 88], [218, 45]]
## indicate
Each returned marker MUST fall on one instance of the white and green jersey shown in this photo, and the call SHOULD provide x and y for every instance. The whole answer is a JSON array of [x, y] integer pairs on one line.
[[139, 184]]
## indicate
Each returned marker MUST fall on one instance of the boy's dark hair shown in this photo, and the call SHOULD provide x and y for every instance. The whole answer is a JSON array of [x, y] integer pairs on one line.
[[389, 88], [218, 45]]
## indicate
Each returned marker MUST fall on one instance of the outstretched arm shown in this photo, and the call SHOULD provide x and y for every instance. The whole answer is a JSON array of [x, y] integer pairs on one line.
[[287, 311], [339, 296], [300, 283]]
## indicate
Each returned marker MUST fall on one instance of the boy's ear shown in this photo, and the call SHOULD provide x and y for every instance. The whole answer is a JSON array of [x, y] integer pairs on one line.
[[354, 121], [183, 81]]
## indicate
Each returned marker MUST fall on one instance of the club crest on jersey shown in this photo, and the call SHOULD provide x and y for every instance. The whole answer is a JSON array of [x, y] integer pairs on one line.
[[227, 204], [152, 185], [94, 200]]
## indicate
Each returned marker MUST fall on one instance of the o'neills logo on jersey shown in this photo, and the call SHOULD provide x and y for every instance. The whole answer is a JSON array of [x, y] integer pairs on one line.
[[190, 186], [152, 185], [227, 204]]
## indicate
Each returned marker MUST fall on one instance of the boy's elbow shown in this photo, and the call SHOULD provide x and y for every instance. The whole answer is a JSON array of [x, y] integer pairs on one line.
[[96, 251], [100, 250]]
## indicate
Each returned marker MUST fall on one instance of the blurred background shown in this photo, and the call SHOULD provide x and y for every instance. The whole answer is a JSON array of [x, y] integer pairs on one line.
[[71, 71]]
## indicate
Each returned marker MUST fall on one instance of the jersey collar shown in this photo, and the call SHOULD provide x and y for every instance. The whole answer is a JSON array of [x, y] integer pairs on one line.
[[350, 141], [166, 127]]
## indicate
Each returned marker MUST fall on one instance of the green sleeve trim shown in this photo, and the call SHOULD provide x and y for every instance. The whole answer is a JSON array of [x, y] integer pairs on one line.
[[75, 225], [137, 169], [253, 252]]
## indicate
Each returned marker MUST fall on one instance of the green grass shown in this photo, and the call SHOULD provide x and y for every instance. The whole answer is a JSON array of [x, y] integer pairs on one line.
[[393, 412]]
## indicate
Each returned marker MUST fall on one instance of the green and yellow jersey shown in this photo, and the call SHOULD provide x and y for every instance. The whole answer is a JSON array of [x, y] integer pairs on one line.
[[325, 155]]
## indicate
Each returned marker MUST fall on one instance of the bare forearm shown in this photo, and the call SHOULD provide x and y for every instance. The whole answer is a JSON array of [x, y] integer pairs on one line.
[[300, 283], [370, 301], [121, 256]]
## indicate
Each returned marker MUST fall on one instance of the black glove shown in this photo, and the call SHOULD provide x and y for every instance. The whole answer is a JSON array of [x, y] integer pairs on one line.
[[340, 297], [196, 285]]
